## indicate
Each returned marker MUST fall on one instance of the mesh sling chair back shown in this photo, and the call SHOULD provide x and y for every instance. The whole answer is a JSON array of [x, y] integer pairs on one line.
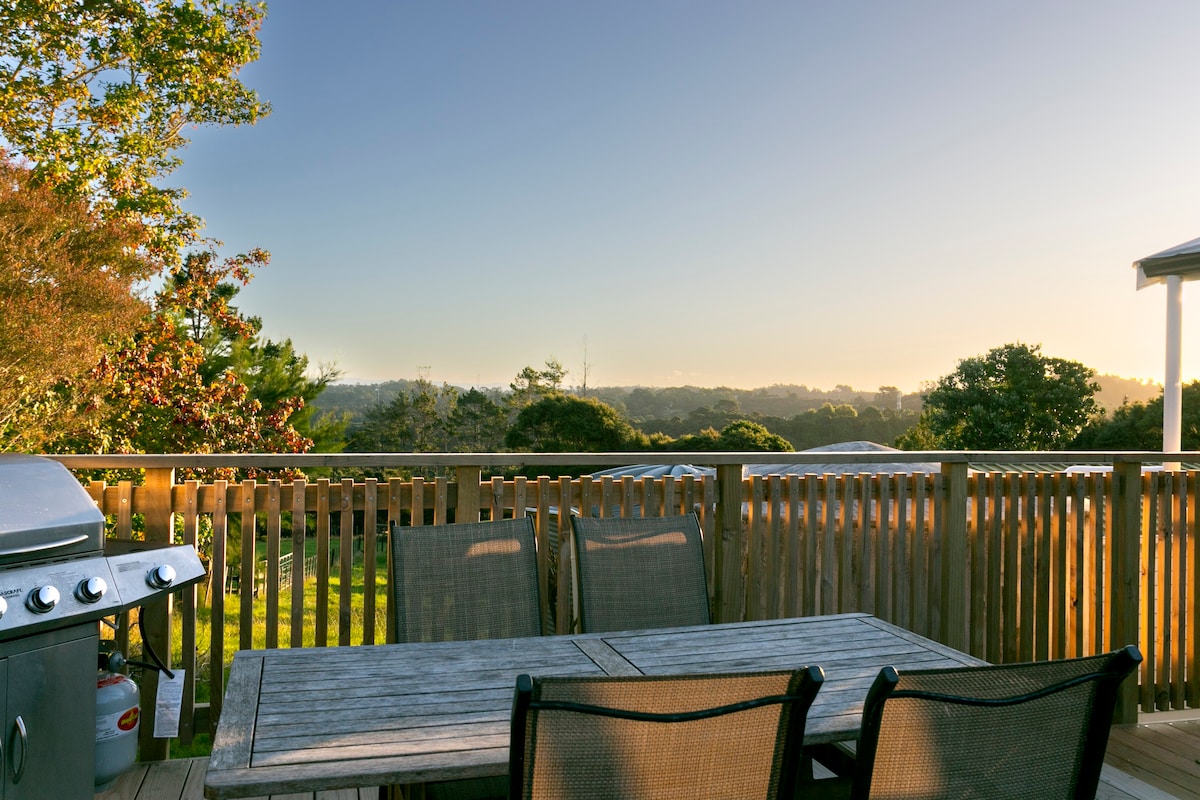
[[470, 580], [633, 573], [1009, 731], [696, 736]]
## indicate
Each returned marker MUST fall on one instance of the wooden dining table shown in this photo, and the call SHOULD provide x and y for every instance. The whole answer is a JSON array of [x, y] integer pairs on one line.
[[311, 719]]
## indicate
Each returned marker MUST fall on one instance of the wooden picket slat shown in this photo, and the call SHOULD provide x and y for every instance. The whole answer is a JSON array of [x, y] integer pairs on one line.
[[370, 537], [1027, 601], [847, 545], [1061, 564], [1191, 600], [978, 526], [299, 510], [187, 612], [324, 525], [1042, 567], [934, 555], [395, 513], [902, 553], [216, 582], [274, 531], [1011, 571], [345, 561], [124, 510], [776, 549], [559, 597], [247, 577], [1148, 638], [756, 552], [1083, 534], [921, 543], [1177, 596], [441, 500]]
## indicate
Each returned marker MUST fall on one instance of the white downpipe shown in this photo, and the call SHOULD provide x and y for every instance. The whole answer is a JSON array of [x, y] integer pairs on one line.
[[1173, 381]]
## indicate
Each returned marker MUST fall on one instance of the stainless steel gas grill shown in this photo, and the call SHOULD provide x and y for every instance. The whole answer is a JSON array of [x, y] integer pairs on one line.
[[58, 578]]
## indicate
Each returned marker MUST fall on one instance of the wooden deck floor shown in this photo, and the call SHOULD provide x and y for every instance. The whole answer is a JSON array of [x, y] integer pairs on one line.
[[1163, 751], [1159, 759]]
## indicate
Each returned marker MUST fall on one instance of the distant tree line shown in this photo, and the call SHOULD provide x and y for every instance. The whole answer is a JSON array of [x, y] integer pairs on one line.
[[538, 414], [644, 406], [813, 427], [535, 414], [1012, 398]]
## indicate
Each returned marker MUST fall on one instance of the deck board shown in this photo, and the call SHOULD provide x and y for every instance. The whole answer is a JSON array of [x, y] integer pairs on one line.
[[183, 779], [1165, 755]]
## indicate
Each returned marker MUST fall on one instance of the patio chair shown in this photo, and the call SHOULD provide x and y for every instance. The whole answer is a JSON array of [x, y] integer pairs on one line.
[[697, 736], [471, 580], [633, 573], [1010, 731]]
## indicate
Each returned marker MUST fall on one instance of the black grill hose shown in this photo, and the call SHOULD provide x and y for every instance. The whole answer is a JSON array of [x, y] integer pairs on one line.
[[158, 664]]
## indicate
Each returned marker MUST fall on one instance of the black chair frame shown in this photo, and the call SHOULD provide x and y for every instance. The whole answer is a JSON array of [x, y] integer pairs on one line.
[[1123, 662]]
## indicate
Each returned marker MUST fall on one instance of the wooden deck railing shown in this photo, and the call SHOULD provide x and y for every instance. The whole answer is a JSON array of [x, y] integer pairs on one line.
[[1007, 565]]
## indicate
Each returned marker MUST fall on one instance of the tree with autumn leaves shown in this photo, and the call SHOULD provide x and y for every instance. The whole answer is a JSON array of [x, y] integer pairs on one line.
[[67, 283], [94, 97], [196, 377]]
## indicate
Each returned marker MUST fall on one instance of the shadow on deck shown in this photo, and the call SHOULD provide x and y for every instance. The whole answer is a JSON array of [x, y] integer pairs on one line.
[[183, 779]]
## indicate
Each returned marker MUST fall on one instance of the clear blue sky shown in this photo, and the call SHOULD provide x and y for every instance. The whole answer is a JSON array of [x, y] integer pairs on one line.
[[712, 193]]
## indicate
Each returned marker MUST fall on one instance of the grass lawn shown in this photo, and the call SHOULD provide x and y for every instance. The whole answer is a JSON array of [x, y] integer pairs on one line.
[[202, 744]]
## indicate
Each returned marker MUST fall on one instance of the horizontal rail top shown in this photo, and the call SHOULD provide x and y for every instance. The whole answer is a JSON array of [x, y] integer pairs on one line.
[[314, 460]]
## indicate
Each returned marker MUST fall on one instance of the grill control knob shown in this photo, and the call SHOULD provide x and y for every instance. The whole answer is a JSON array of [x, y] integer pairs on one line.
[[91, 590], [161, 576], [42, 599]]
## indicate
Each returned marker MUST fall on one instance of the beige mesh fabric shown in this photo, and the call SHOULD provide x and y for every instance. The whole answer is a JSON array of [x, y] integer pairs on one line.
[[1034, 749], [473, 580], [634, 573], [736, 755]]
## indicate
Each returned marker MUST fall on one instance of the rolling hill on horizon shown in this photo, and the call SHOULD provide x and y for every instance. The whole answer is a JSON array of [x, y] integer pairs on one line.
[[776, 400]]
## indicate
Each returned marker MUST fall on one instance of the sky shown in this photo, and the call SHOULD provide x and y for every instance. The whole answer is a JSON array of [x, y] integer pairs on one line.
[[744, 194]]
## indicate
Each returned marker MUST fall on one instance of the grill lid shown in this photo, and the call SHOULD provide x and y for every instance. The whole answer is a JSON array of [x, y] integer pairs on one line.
[[56, 568], [44, 512]]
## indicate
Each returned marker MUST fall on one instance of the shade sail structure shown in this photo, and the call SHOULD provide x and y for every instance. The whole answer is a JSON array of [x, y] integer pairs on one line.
[[1172, 266], [655, 471], [890, 467], [640, 471]]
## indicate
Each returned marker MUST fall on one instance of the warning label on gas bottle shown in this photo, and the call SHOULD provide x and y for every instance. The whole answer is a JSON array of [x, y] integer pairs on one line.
[[109, 726]]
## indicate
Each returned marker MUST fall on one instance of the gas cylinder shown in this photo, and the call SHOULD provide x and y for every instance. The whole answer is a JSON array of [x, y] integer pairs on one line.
[[116, 726]]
